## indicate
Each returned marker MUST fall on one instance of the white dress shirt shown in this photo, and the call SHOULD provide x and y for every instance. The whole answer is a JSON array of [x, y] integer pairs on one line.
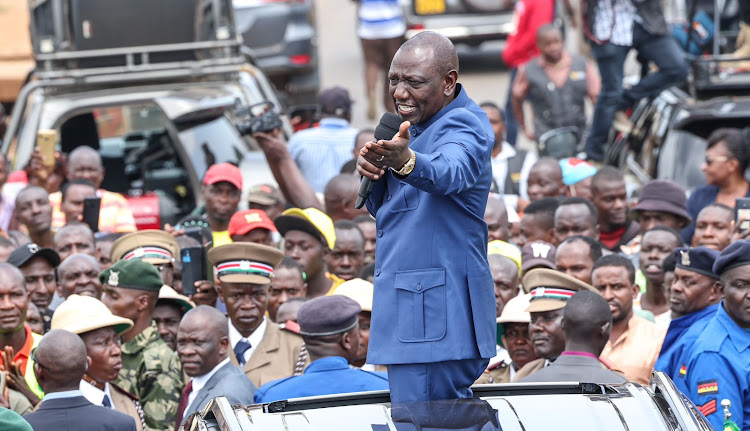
[[254, 338], [200, 381], [500, 170], [96, 395]]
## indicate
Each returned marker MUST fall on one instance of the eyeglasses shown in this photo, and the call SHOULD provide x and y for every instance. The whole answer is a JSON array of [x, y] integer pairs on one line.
[[719, 159], [33, 358]]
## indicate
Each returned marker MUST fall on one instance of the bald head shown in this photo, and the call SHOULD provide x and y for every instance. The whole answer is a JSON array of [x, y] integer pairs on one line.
[[202, 340], [496, 217], [85, 163], [62, 361], [209, 318], [84, 153], [587, 322], [545, 180], [340, 195], [11, 274], [444, 57], [74, 238]]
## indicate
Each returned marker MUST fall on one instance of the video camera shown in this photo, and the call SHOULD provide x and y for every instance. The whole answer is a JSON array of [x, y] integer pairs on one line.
[[257, 118]]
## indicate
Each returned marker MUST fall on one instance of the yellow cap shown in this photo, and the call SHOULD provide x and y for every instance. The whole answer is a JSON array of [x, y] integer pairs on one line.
[[359, 290], [80, 314], [309, 220], [505, 249], [151, 245]]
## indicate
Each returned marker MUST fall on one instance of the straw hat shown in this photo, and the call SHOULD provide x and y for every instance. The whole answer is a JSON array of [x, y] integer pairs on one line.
[[80, 314]]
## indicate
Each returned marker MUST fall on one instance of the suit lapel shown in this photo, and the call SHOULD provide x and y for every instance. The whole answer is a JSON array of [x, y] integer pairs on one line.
[[269, 343]]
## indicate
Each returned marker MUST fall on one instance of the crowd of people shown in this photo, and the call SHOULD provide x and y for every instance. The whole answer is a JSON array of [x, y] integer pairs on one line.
[[593, 280]]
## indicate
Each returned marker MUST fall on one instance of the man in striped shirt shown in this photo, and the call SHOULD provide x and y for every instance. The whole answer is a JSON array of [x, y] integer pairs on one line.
[[321, 151]]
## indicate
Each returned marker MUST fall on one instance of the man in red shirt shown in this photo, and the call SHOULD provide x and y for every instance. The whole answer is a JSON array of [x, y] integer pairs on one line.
[[521, 47]]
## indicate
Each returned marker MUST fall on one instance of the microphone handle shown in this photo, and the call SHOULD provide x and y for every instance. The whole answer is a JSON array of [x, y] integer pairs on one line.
[[365, 187]]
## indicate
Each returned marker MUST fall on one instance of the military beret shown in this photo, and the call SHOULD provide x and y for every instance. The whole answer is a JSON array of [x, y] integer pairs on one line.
[[698, 259], [327, 315], [153, 246], [132, 274], [550, 289], [245, 262], [737, 254]]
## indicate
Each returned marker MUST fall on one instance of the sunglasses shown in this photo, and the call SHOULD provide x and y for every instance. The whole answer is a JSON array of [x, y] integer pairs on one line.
[[33, 358], [717, 159]]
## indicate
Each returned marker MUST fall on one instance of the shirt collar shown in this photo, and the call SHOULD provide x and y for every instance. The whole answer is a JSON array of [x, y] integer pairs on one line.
[[254, 339], [460, 100], [63, 394], [334, 123], [741, 338], [329, 363], [94, 394], [506, 152], [200, 381]]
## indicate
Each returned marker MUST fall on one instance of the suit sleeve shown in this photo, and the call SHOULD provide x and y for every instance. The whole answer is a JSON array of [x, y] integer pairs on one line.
[[375, 200], [457, 160], [710, 379]]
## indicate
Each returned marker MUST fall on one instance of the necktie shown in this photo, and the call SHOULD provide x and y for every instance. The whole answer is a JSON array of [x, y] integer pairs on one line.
[[239, 351], [183, 404], [106, 402]]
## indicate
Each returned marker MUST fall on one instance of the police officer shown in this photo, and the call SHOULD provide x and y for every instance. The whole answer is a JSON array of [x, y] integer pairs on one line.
[[263, 350], [588, 322], [694, 298], [513, 328], [329, 326], [718, 367], [150, 369], [550, 291], [153, 246]]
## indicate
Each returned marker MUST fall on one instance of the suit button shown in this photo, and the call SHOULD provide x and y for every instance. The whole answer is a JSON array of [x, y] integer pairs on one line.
[[419, 287], [380, 233], [377, 272]]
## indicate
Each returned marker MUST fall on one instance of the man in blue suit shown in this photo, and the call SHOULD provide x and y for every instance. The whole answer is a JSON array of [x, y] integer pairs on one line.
[[433, 320], [60, 363]]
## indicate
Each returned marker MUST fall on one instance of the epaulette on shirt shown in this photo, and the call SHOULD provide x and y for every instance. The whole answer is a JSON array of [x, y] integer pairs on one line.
[[128, 394], [499, 365], [290, 326]]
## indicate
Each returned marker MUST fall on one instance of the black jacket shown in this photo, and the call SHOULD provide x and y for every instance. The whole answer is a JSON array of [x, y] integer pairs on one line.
[[75, 414]]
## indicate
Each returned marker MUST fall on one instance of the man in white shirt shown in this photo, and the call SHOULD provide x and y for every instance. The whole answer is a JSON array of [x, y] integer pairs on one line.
[[203, 346]]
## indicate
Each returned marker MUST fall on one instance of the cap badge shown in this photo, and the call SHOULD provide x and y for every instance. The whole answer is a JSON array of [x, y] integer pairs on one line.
[[244, 265], [139, 252], [685, 257], [114, 278], [252, 218], [540, 250], [539, 291], [33, 248]]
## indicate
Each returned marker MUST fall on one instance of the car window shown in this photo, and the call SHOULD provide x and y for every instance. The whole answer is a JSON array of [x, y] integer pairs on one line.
[[215, 141]]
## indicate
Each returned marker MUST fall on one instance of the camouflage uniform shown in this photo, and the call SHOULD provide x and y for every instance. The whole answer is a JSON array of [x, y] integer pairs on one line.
[[152, 372]]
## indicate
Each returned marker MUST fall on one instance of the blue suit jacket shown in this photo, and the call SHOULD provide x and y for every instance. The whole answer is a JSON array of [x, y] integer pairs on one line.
[[228, 381], [75, 414], [434, 296], [325, 376]]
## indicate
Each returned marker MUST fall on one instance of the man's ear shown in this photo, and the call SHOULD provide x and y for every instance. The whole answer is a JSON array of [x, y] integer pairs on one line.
[[605, 330], [637, 289], [450, 80], [142, 302], [550, 235], [596, 231], [223, 346], [717, 291]]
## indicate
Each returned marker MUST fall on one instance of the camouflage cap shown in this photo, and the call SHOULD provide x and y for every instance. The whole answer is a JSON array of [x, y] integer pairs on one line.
[[132, 274], [151, 245], [245, 262]]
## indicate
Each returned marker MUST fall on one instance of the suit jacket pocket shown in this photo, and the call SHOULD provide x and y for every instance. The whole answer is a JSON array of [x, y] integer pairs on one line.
[[406, 198], [422, 310]]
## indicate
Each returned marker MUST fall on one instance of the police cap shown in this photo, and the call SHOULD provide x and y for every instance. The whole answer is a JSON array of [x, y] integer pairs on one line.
[[245, 262], [737, 254], [132, 274], [550, 289], [151, 245], [698, 259], [327, 315]]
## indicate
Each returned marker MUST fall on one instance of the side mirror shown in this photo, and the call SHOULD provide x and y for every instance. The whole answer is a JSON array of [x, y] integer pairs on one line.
[[559, 143]]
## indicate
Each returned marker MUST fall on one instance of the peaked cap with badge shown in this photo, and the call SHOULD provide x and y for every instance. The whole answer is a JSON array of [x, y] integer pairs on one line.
[[699, 259], [550, 290], [132, 274], [151, 245], [244, 262]]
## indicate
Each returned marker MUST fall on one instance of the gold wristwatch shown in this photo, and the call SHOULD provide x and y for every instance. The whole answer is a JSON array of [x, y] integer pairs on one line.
[[408, 166]]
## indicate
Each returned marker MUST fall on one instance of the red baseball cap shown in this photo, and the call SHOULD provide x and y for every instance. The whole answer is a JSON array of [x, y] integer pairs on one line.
[[243, 222], [223, 172]]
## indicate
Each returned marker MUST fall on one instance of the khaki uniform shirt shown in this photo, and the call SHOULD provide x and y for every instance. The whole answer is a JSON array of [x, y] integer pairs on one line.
[[152, 372], [530, 368], [500, 373], [636, 351], [129, 404], [275, 357]]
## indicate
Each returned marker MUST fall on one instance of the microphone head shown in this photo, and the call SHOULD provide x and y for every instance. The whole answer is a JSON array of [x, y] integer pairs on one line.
[[388, 126]]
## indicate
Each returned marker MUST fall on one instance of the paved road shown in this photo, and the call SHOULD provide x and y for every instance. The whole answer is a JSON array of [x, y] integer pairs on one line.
[[481, 71]]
